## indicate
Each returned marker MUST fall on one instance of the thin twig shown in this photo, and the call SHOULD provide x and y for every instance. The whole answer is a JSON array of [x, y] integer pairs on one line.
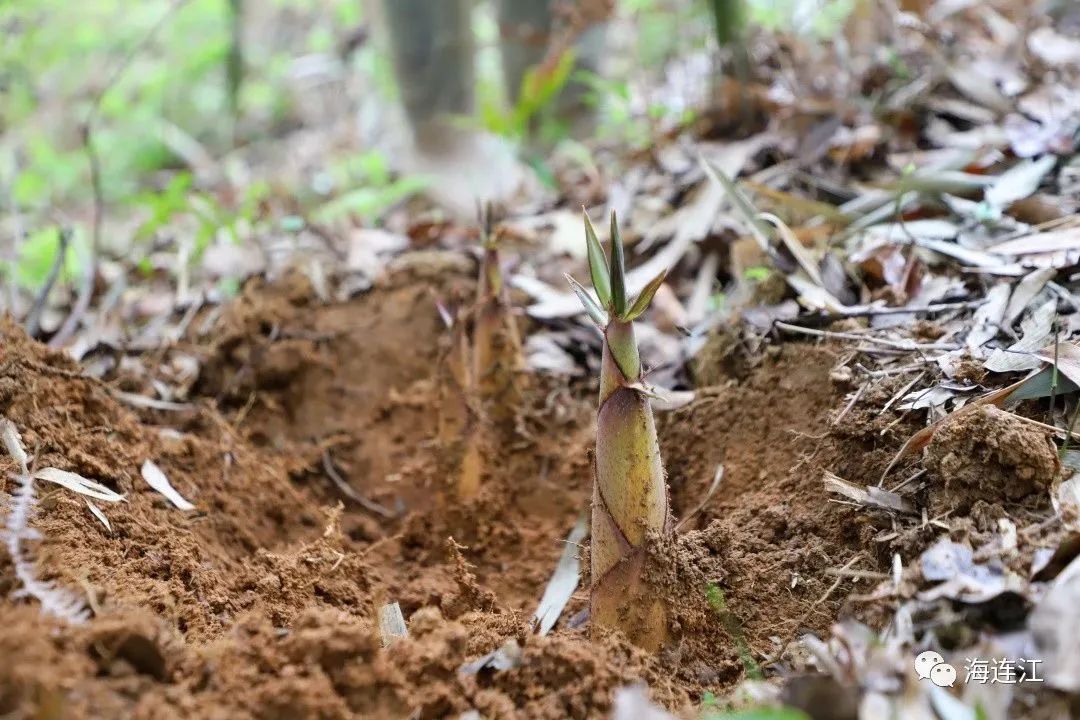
[[907, 482], [33, 318], [902, 392], [810, 610], [819, 319], [1054, 370], [348, 491], [862, 390], [888, 372], [907, 346]]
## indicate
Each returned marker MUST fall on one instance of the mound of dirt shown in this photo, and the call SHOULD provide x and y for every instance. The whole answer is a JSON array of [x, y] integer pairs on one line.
[[262, 601], [769, 523], [989, 454]]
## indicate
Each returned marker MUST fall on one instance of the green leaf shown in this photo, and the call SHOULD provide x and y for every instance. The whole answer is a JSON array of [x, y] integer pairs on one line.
[[757, 273], [758, 714], [369, 202], [618, 270], [38, 254], [595, 311], [645, 297], [598, 267]]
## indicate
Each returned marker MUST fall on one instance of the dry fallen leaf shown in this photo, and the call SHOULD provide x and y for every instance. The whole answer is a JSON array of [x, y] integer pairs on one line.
[[156, 479], [77, 483], [564, 580]]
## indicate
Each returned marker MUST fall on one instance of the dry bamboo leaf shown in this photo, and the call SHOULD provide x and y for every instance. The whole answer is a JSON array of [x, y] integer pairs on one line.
[[96, 511], [1067, 357], [77, 483], [141, 401], [978, 86], [156, 479], [505, 657], [814, 296], [632, 703], [868, 496], [392, 624], [970, 257], [1035, 331], [795, 247], [1026, 290], [563, 582], [1019, 181], [13, 444], [1053, 241], [1054, 48], [949, 707], [1058, 609], [987, 321]]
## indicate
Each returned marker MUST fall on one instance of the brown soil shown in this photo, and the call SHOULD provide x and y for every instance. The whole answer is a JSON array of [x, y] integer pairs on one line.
[[992, 455], [261, 603]]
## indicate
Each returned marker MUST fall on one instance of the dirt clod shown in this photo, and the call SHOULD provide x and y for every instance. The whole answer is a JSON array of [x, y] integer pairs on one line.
[[990, 454]]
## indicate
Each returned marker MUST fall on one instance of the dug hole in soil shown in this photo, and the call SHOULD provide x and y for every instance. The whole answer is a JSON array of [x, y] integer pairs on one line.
[[262, 602]]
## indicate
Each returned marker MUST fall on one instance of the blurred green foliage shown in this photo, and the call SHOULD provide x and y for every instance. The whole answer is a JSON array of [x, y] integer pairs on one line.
[[711, 710], [819, 18], [160, 76], [38, 254], [372, 189]]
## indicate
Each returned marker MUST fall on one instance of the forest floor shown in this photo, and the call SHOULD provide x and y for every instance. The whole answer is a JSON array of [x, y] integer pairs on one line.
[[868, 453], [263, 599]]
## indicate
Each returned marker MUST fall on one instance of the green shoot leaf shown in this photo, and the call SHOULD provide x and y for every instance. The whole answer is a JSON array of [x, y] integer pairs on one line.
[[598, 267], [646, 296], [595, 311], [745, 207], [618, 270]]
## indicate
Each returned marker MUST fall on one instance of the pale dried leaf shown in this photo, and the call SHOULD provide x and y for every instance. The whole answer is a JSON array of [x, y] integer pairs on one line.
[[795, 247], [156, 479], [988, 317], [1024, 292], [505, 657], [921, 399], [1054, 48], [867, 496], [96, 511], [1058, 610], [77, 483], [947, 706], [13, 444], [1019, 182], [391, 624], [564, 580], [1038, 243], [632, 703], [1067, 356], [1022, 355]]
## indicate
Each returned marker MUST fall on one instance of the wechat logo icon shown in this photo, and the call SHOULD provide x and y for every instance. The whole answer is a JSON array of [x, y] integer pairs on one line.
[[931, 666]]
